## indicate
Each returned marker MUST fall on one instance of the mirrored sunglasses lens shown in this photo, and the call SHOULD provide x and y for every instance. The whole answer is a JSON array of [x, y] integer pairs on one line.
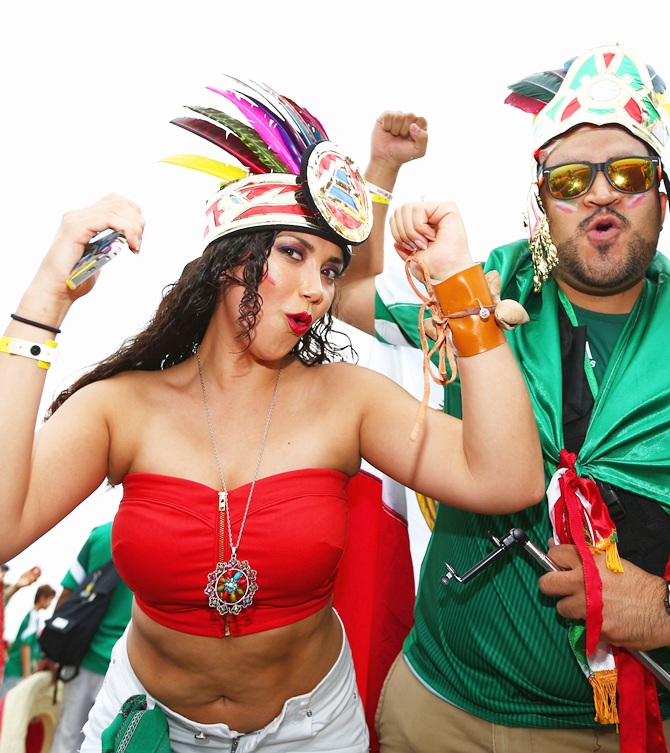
[[632, 174], [569, 181]]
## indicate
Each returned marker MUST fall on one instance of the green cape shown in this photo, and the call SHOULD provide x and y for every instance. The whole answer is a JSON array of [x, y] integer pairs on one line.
[[628, 439]]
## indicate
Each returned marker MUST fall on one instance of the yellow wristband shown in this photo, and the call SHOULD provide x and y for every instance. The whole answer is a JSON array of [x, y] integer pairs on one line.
[[43, 353], [380, 195]]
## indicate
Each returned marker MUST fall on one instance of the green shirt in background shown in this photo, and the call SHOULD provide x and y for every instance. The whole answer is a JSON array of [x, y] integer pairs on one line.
[[26, 636], [96, 552]]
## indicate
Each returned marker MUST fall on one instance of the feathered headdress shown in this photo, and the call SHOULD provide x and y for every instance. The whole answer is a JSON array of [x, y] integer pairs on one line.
[[289, 175], [605, 86]]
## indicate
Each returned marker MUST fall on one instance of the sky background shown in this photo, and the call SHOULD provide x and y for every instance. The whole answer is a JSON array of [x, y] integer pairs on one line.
[[89, 88]]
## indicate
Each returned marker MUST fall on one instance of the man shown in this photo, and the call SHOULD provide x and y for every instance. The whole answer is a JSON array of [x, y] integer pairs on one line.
[[490, 665], [25, 649], [79, 693]]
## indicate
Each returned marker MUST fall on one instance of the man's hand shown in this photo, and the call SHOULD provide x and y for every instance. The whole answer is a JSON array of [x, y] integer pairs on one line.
[[633, 612], [397, 138]]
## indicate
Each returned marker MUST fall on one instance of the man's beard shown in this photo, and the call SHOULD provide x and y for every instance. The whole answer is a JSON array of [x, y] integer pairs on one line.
[[614, 276], [610, 275]]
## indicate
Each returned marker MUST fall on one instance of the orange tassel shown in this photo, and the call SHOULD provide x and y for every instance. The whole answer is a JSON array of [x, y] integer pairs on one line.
[[609, 546], [604, 696]]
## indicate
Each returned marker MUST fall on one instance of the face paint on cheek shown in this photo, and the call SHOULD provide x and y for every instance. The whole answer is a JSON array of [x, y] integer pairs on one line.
[[270, 275], [273, 272], [633, 201], [566, 207], [267, 277]]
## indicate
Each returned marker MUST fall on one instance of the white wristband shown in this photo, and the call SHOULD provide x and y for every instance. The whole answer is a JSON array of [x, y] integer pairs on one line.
[[43, 353], [379, 195]]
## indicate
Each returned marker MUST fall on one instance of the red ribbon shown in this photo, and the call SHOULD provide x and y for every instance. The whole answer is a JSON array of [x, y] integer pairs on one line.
[[571, 525], [641, 728], [642, 731]]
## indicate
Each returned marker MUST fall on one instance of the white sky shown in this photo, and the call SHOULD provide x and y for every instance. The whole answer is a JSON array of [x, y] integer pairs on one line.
[[89, 88]]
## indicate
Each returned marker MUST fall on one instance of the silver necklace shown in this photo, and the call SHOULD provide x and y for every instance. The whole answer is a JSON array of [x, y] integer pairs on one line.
[[232, 584]]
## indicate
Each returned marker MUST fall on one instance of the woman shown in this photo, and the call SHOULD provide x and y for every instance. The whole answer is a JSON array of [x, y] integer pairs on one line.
[[234, 436]]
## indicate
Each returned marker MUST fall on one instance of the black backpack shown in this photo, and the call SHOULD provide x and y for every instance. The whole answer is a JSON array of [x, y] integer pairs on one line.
[[68, 633]]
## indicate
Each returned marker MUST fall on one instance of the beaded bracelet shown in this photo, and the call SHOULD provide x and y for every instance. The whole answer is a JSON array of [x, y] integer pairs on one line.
[[47, 327], [43, 353]]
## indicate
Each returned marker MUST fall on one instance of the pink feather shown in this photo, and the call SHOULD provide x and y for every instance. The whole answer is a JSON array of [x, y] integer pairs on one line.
[[265, 126], [527, 104]]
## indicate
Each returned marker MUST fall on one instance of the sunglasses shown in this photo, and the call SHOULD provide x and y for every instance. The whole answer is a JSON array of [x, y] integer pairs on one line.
[[626, 174]]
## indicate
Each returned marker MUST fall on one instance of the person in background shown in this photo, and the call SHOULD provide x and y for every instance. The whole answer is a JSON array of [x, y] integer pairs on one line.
[[26, 579], [397, 138], [80, 693], [494, 664], [24, 651]]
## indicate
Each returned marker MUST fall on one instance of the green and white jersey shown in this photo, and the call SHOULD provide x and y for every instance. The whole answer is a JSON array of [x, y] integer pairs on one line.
[[495, 646]]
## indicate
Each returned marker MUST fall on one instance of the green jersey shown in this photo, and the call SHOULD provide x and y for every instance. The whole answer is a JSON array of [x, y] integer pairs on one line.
[[495, 646]]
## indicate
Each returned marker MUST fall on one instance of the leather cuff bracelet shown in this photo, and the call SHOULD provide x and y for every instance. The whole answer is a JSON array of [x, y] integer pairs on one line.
[[467, 303]]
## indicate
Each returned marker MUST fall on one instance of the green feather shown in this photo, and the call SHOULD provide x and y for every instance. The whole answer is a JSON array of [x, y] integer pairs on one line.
[[542, 85], [247, 135]]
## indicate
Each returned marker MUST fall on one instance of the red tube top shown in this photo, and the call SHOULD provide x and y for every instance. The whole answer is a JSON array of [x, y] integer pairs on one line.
[[165, 543]]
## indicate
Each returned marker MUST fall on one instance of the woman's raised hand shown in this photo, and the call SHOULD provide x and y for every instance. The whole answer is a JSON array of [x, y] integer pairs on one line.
[[76, 230]]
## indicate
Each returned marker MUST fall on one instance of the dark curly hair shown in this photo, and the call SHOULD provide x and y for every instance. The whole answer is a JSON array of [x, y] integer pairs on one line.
[[181, 319]]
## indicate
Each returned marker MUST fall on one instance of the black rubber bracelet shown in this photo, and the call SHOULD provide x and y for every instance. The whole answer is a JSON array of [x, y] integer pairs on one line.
[[666, 600], [47, 327]]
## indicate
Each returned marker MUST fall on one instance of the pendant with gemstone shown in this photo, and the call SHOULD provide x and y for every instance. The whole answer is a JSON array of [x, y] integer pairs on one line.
[[231, 586]]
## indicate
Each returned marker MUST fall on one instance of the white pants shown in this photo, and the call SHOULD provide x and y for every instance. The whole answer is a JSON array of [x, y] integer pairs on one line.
[[78, 698], [329, 719]]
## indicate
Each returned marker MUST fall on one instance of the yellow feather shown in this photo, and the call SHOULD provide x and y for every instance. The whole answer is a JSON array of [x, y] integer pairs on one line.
[[213, 167]]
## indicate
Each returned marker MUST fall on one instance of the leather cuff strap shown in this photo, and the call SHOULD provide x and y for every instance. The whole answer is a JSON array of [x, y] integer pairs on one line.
[[467, 304]]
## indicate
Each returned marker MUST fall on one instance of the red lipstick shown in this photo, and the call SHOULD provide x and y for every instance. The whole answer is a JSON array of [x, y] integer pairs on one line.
[[299, 323]]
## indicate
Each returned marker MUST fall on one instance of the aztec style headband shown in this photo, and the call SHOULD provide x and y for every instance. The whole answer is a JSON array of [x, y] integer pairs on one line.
[[291, 175], [607, 85], [604, 86]]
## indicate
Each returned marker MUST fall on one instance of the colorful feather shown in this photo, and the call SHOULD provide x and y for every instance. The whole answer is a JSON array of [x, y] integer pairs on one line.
[[285, 130], [221, 170], [319, 132], [526, 104], [541, 86], [301, 128], [294, 129], [263, 124], [247, 135], [274, 139], [224, 139]]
